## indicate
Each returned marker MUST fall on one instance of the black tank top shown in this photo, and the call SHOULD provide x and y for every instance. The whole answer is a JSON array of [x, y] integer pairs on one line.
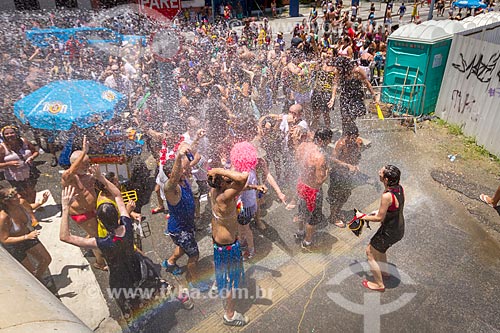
[[394, 222]]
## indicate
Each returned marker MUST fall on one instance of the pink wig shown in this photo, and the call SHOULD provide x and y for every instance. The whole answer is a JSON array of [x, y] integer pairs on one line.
[[243, 157]]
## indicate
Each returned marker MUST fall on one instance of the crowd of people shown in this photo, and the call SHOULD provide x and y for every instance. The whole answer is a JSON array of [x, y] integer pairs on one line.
[[247, 110]]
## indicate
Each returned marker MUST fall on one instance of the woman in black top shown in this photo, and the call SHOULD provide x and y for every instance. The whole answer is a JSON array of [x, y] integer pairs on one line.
[[390, 214], [349, 81]]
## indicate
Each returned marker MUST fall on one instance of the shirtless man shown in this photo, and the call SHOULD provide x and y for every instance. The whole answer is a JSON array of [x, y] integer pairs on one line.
[[226, 186], [313, 171], [344, 162], [83, 208]]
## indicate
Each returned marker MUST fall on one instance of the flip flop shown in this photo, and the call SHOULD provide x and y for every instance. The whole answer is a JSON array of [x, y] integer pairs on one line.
[[365, 284], [157, 210], [339, 224], [482, 197]]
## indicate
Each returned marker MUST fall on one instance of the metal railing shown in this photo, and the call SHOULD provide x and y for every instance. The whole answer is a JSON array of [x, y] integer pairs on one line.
[[400, 102]]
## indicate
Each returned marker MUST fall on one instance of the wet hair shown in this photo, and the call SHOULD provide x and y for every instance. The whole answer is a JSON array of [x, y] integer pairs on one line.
[[74, 156], [16, 131], [344, 66], [215, 182], [323, 134], [392, 174], [167, 167], [108, 215], [4, 194], [350, 128]]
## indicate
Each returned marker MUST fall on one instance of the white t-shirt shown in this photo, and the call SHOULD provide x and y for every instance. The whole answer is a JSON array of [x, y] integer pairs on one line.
[[125, 87], [285, 128], [200, 170]]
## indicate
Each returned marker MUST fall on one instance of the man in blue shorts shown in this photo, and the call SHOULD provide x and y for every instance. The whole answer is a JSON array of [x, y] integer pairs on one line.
[[226, 186], [181, 207]]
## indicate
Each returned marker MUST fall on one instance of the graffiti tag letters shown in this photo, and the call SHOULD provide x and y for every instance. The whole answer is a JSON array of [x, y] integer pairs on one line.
[[481, 69], [494, 92], [463, 102]]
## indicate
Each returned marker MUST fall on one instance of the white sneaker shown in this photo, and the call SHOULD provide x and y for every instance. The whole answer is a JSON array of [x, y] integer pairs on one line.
[[237, 320]]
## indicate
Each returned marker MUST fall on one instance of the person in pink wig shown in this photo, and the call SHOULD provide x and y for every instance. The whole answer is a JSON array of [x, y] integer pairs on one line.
[[243, 158]]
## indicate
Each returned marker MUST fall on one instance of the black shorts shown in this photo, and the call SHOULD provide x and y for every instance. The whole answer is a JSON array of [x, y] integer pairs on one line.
[[382, 240], [314, 217], [247, 214], [340, 188], [186, 241], [19, 250], [23, 185]]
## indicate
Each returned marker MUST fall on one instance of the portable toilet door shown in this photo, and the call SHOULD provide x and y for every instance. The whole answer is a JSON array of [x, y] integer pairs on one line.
[[438, 55], [403, 70], [415, 62]]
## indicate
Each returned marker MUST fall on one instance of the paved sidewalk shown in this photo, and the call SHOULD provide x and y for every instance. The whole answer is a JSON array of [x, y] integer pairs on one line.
[[76, 284]]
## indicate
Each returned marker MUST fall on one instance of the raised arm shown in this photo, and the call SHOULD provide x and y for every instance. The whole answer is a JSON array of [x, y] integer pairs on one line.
[[112, 189], [238, 181], [177, 170], [364, 78], [71, 172], [199, 135], [262, 165], [68, 194], [334, 89]]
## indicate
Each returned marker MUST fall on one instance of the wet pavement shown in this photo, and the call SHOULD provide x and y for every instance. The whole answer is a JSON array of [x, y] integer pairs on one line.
[[446, 266]]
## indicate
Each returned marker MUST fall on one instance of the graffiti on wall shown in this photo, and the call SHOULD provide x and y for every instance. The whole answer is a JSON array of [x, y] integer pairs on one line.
[[494, 92], [463, 103], [479, 66]]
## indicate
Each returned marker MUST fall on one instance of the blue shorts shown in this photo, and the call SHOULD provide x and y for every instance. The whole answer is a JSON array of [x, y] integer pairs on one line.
[[186, 241], [229, 271]]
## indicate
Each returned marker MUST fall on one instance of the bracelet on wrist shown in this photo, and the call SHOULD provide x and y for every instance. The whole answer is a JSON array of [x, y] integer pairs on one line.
[[25, 236]]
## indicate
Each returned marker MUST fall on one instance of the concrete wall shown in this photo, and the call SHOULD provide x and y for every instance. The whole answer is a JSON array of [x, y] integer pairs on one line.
[[47, 4], [7, 5], [470, 92], [27, 306], [84, 4]]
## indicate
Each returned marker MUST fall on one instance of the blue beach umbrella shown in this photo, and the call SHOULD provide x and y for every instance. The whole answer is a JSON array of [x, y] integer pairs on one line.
[[473, 4], [61, 104]]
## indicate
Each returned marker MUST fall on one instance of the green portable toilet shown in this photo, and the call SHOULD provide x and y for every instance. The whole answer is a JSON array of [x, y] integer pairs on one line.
[[415, 63]]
